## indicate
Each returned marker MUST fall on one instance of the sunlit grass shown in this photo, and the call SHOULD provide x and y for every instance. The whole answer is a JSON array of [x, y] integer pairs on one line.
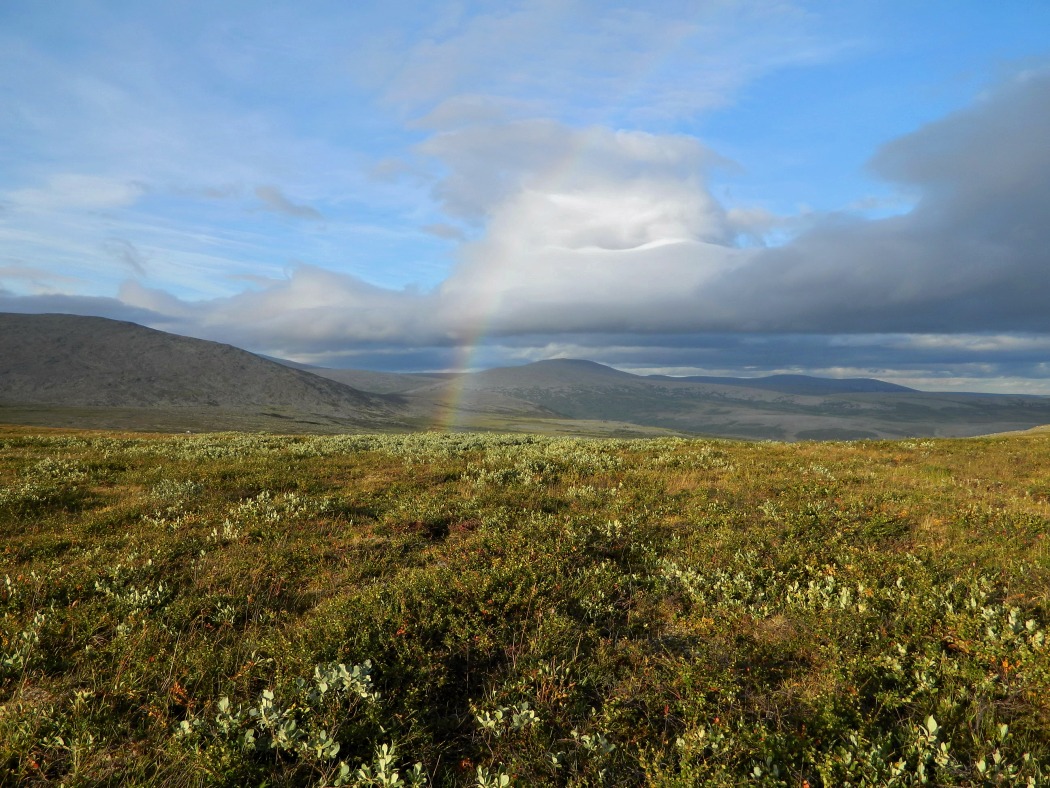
[[233, 609]]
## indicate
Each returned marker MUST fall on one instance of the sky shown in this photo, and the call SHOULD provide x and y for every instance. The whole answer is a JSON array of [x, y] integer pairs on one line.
[[851, 188]]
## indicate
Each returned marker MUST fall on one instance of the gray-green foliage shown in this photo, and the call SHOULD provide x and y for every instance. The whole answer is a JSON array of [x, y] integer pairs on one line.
[[50, 482], [482, 610], [296, 721]]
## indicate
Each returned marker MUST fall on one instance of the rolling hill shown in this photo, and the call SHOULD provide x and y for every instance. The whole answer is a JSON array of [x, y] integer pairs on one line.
[[104, 367], [65, 370], [585, 395], [777, 408]]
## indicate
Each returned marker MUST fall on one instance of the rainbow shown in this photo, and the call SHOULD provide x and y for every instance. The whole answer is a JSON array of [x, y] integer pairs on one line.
[[451, 403]]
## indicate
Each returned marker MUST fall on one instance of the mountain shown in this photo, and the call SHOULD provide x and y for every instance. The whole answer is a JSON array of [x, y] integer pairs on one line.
[[783, 407], [375, 382], [434, 400], [551, 374], [63, 370], [798, 384], [67, 361]]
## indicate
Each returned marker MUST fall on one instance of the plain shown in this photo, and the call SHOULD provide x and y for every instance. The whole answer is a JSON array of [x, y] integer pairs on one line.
[[231, 609]]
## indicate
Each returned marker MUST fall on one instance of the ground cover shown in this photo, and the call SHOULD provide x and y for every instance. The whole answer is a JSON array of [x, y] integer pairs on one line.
[[467, 609]]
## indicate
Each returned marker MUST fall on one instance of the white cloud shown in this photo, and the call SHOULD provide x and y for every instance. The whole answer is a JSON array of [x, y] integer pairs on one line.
[[73, 190], [311, 309], [585, 228], [485, 165]]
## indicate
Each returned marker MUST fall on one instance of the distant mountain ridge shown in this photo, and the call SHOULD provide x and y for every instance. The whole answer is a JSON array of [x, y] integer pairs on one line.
[[577, 370], [798, 384], [82, 371], [780, 407], [569, 370]]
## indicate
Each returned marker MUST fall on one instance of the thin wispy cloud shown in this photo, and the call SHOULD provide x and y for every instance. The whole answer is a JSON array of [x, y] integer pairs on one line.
[[128, 253], [446, 231], [275, 201]]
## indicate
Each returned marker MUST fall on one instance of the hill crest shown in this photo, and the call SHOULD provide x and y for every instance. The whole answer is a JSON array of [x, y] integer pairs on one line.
[[73, 361]]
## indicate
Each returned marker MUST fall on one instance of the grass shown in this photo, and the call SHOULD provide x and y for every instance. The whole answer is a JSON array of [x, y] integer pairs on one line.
[[466, 609]]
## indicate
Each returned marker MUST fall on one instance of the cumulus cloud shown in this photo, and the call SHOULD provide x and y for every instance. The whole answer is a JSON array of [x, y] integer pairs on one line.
[[585, 229], [485, 165], [312, 309], [275, 201], [969, 256], [600, 230]]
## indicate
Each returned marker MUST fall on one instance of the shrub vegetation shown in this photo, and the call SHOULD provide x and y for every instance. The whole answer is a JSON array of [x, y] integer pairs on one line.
[[487, 610]]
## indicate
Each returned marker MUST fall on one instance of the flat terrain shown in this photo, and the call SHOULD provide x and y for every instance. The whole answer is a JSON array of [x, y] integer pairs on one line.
[[233, 609]]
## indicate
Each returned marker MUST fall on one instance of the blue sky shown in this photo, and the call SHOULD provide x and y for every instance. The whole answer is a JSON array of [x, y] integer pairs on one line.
[[839, 188]]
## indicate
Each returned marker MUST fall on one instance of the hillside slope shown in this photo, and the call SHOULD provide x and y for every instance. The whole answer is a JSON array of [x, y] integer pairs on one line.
[[63, 370], [72, 361], [781, 408]]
